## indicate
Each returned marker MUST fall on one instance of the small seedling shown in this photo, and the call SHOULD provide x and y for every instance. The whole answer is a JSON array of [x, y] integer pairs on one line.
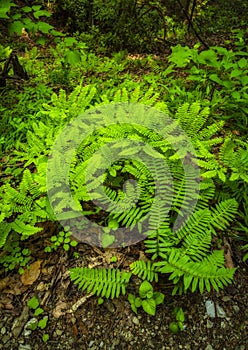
[[113, 259], [148, 299], [33, 304], [45, 337], [63, 238], [100, 301], [177, 325]]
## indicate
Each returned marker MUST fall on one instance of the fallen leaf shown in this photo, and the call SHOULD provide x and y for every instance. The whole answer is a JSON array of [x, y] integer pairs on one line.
[[60, 309], [4, 283], [31, 275], [228, 255]]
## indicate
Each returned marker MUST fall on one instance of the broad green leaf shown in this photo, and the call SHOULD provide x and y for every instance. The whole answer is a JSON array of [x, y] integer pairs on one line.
[[16, 27], [145, 290], [43, 323], [149, 306], [72, 57], [44, 27], [33, 303]]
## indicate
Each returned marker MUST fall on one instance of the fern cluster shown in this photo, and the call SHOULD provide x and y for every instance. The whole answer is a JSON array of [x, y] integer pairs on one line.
[[184, 253], [185, 256], [181, 250]]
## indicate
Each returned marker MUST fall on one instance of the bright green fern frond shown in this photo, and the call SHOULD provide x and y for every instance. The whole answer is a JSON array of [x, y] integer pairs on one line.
[[102, 282], [192, 118], [160, 241], [144, 270], [194, 275], [197, 224], [223, 214], [5, 229]]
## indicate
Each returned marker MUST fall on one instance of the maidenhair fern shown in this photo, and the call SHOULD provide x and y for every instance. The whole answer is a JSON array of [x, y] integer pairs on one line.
[[22, 208]]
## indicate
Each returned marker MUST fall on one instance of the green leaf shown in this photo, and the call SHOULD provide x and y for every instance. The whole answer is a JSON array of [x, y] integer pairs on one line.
[[73, 243], [107, 240], [17, 16], [158, 297], [5, 7], [70, 41], [41, 13], [100, 301], [242, 63], [181, 55], [131, 298], [33, 303], [180, 315], [45, 337], [236, 95], [72, 58], [173, 327], [43, 322], [138, 302], [149, 306], [38, 311], [44, 27], [145, 290], [36, 7], [113, 224], [112, 172], [16, 27], [66, 247], [208, 57], [235, 73], [33, 325], [26, 9], [25, 229], [4, 232]]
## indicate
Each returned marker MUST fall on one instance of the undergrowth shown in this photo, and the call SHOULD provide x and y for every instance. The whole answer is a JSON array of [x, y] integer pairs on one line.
[[209, 103]]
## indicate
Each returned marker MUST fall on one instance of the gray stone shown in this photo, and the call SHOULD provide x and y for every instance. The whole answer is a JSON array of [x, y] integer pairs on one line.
[[135, 320], [3, 330], [209, 347], [24, 347]]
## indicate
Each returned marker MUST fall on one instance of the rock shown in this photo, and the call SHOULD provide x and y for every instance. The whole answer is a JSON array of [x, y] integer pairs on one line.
[[226, 298], [236, 308], [3, 330], [135, 321], [209, 324], [210, 308], [19, 323], [5, 338], [220, 312], [59, 332], [209, 347], [24, 347]]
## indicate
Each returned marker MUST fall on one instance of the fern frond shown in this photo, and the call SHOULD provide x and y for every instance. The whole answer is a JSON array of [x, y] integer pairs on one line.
[[25, 230], [144, 270], [195, 275], [5, 229], [102, 282], [223, 214]]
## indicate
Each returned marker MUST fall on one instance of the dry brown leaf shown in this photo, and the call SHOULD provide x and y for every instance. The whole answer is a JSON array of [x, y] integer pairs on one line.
[[228, 255], [60, 309], [31, 275], [4, 283]]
